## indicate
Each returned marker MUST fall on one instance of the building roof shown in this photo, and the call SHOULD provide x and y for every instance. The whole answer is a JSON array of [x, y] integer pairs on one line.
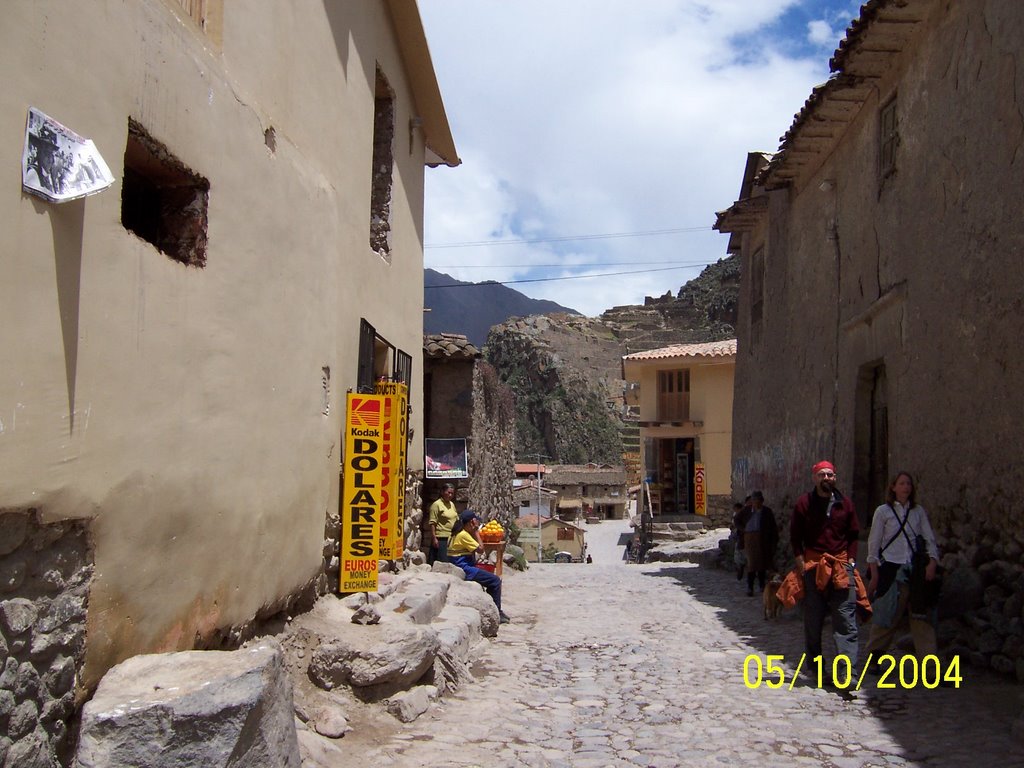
[[433, 120], [873, 44], [585, 474], [529, 469], [707, 349], [454, 345]]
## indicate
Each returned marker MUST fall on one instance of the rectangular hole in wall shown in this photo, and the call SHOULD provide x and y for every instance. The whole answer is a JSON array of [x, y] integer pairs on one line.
[[163, 201]]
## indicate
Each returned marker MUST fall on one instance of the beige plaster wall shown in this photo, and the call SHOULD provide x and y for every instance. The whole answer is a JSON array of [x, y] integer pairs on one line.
[[711, 402], [181, 407]]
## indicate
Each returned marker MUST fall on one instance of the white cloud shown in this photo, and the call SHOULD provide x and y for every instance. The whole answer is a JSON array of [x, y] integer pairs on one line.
[[586, 117], [820, 32]]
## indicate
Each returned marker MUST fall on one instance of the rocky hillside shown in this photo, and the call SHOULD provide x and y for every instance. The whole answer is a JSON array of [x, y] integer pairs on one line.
[[565, 370]]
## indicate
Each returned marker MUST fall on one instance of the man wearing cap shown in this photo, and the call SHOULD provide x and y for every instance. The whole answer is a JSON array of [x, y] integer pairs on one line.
[[462, 550], [824, 532]]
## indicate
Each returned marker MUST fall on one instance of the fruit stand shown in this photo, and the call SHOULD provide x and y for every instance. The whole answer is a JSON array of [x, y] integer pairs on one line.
[[493, 537]]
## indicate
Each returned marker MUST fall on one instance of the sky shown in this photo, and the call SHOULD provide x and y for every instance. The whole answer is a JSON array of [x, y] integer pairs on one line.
[[599, 137]]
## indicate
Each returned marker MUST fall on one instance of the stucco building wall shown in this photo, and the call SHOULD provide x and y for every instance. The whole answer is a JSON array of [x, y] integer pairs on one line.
[[184, 410]]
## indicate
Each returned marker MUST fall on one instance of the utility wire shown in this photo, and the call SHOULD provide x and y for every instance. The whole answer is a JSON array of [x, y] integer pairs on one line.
[[563, 264], [568, 238], [551, 279]]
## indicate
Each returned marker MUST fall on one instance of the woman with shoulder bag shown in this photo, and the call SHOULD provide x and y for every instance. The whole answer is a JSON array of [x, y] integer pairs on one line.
[[900, 535]]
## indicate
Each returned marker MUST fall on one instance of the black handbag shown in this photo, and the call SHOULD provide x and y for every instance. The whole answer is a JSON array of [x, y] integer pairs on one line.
[[924, 594]]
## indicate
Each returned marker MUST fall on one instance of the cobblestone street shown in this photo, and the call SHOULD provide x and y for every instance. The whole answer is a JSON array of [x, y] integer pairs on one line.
[[609, 664]]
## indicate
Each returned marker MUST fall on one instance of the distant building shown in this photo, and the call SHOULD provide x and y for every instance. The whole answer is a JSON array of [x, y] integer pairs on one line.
[[557, 535], [588, 490], [686, 406]]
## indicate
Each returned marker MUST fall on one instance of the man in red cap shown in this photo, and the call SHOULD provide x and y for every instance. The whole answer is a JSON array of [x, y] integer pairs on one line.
[[824, 532]]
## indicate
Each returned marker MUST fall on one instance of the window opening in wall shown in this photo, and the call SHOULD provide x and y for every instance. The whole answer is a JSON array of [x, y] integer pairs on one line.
[[163, 201], [208, 15], [674, 395], [375, 358], [383, 163], [403, 367], [889, 138]]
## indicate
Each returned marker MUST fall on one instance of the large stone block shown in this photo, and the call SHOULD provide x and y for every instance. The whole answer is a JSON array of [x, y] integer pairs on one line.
[[201, 708], [395, 657], [471, 595]]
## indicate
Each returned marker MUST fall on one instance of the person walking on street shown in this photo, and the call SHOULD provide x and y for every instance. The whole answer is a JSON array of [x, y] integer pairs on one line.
[[824, 532], [901, 546], [760, 536], [441, 517]]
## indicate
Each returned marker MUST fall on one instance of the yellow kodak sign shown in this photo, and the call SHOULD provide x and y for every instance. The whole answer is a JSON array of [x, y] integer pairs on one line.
[[361, 494]]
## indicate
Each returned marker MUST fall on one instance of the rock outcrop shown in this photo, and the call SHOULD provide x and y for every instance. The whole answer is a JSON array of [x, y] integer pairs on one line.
[[566, 370]]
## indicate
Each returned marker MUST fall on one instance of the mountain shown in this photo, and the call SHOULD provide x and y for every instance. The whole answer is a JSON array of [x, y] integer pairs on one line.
[[565, 371], [472, 308]]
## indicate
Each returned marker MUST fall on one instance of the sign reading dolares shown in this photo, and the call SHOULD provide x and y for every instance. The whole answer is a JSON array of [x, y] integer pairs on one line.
[[394, 428], [361, 494]]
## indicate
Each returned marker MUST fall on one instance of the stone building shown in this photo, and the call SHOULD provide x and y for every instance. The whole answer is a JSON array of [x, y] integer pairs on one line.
[[464, 399], [880, 304], [588, 490], [178, 346]]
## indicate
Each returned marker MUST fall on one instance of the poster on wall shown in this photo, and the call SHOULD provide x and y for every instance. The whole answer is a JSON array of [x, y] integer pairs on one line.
[[446, 458], [361, 493], [59, 165], [394, 428], [700, 498]]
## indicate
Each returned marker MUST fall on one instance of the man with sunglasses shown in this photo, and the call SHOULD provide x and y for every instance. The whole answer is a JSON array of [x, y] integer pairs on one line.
[[824, 532]]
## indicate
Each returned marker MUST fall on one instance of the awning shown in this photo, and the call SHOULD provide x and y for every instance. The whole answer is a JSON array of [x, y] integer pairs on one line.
[[570, 503]]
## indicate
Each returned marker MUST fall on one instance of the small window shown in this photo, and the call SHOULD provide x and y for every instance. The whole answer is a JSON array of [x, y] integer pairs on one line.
[[375, 361], [403, 367], [889, 138], [162, 201]]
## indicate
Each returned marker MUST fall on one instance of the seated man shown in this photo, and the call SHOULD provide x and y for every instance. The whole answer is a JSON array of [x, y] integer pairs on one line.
[[462, 549]]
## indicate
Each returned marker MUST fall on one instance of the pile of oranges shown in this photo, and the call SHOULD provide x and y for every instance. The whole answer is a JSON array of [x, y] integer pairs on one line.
[[492, 531]]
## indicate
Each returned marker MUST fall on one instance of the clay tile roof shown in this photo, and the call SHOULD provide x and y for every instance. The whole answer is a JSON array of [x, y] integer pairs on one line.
[[449, 345], [708, 349]]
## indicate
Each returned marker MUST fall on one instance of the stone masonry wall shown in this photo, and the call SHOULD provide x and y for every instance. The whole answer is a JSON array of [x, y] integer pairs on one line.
[[45, 574]]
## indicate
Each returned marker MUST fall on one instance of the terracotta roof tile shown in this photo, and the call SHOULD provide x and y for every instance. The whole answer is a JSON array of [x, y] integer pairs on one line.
[[449, 345], [707, 349]]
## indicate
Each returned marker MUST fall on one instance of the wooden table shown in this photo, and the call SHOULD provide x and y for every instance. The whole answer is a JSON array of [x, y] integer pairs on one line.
[[499, 547]]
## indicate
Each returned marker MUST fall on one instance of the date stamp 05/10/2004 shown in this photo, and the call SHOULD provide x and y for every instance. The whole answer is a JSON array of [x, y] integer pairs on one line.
[[905, 672]]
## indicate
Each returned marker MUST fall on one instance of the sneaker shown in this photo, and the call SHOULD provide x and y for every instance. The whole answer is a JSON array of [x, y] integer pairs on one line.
[[503, 619]]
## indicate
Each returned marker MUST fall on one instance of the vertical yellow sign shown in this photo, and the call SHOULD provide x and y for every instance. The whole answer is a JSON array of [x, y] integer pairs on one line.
[[361, 495], [392, 502], [700, 494]]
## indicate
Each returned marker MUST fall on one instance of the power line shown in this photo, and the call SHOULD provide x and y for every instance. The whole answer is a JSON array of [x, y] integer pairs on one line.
[[568, 238], [563, 264], [552, 279]]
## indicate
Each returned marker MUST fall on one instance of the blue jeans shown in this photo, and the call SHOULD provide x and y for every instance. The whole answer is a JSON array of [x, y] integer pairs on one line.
[[842, 605], [490, 582]]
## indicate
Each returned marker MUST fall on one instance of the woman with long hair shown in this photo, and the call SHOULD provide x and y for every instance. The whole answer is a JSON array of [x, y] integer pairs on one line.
[[903, 561]]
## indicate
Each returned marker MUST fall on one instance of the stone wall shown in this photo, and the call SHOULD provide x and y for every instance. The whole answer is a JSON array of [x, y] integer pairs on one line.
[[891, 303], [45, 574]]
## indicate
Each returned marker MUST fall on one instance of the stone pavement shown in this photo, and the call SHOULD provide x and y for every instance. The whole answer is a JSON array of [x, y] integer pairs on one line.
[[615, 665]]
